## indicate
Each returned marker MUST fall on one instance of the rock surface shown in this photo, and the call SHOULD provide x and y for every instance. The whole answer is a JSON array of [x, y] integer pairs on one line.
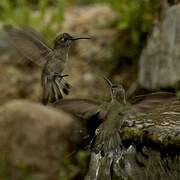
[[159, 62], [34, 140]]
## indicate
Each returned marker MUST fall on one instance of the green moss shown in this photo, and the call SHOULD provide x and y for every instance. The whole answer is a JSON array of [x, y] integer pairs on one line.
[[5, 167], [177, 141], [135, 20], [131, 133], [24, 171], [29, 13], [154, 138], [74, 164], [81, 158]]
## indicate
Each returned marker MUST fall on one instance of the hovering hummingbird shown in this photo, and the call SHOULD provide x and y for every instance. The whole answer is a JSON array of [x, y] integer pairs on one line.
[[31, 45]]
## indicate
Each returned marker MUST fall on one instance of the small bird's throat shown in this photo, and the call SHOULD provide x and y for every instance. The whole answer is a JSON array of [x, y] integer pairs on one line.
[[119, 97]]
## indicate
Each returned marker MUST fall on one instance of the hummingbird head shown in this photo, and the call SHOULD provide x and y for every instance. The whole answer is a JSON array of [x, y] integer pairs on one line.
[[64, 40], [117, 92]]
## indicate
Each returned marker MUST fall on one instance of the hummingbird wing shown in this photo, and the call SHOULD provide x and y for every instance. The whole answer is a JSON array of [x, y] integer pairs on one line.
[[82, 108], [28, 45], [35, 33], [150, 101]]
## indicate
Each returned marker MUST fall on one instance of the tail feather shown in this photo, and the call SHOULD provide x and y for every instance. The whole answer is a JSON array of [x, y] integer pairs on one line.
[[58, 88], [53, 88], [65, 87], [65, 91], [66, 84], [46, 88], [53, 92]]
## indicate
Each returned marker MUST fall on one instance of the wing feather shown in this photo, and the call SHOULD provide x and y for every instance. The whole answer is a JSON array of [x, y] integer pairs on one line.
[[80, 107], [148, 102], [28, 45]]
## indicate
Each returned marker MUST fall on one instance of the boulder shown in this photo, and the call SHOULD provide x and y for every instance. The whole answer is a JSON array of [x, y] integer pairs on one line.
[[159, 61], [34, 140]]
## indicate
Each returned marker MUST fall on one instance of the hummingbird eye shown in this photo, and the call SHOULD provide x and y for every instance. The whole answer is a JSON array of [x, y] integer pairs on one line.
[[64, 39]]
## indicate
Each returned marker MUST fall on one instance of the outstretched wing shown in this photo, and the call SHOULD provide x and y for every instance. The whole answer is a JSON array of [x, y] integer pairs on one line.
[[82, 108], [28, 45], [35, 33], [144, 103]]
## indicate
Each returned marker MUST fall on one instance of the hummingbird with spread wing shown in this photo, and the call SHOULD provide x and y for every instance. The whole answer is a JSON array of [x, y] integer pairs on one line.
[[107, 137], [52, 60], [107, 142], [110, 114]]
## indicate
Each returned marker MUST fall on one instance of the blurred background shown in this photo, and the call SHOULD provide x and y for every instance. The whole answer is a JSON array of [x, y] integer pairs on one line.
[[136, 43]]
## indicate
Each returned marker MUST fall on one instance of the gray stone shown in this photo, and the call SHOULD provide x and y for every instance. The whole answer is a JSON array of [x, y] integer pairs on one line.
[[160, 59], [33, 140]]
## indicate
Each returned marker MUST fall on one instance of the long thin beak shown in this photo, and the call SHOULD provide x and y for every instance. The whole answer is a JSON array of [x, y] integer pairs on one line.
[[108, 82], [65, 75], [74, 39]]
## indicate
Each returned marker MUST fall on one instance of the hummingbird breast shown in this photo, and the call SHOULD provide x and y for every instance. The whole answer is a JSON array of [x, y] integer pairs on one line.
[[55, 64]]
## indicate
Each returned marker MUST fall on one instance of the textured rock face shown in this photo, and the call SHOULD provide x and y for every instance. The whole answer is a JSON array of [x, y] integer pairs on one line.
[[159, 62], [133, 165], [33, 140]]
